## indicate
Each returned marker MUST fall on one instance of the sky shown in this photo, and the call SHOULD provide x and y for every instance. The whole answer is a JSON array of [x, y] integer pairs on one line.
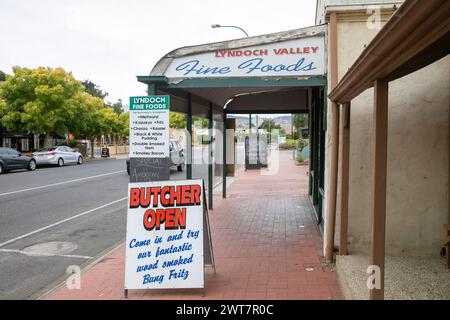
[[110, 42]]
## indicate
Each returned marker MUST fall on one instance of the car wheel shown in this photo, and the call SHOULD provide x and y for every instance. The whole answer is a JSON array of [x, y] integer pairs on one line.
[[180, 167], [60, 162], [80, 160], [1, 169], [32, 165]]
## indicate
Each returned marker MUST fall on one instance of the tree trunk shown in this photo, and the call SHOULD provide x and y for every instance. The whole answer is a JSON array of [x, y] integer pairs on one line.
[[92, 148], [46, 140]]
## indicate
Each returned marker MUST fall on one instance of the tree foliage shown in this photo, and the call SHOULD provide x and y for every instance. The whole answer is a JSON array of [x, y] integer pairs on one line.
[[269, 125], [42, 100], [177, 120], [94, 90], [124, 123], [118, 107], [48, 101]]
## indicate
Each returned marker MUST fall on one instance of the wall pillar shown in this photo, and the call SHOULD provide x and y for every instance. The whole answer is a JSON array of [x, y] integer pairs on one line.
[[344, 183], [379, 171], [334, 153], [334, 161]]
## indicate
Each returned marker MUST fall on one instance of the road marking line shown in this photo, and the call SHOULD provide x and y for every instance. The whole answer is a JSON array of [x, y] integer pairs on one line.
[[45, 254], [60, 222], [60, 183]]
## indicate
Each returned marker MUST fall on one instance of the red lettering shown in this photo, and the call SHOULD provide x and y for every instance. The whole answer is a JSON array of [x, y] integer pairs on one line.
[[145, 197], [163, 199], [171, 218], [134, 197], [160, 217], [155, 191], [175, 195], [149, 219], [196, 191], [185, 199], [170, 223], [314, 49], [180, 218]]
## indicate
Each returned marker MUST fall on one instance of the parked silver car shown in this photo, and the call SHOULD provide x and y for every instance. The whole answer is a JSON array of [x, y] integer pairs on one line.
[[176, 156], [58, 156]]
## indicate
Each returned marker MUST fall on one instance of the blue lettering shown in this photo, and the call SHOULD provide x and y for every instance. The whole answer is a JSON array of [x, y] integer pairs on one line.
[[188, 66], [192, 67], [224, 70], [149, 279], [256, 64], [182, 273], [135, 244], [251, 65]]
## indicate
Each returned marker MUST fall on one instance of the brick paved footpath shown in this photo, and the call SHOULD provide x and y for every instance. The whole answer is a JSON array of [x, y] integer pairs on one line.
[[265, 238]]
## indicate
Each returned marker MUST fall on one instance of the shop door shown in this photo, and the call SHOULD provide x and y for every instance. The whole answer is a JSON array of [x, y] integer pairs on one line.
[[317, 154]]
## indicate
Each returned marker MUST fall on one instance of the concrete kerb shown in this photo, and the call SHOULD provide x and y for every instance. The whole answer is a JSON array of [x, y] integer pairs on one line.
[[115, 157], [60, 282]]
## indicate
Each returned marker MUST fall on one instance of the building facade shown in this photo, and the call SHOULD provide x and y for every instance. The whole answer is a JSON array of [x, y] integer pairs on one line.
[[417, 119]]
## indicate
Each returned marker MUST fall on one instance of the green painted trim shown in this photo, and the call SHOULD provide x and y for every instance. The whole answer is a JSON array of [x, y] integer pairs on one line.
[[224, 165], [189, 140], [151, 89], [146, 103], [152, 79], [210, 164], [238, 82], [244, 111]]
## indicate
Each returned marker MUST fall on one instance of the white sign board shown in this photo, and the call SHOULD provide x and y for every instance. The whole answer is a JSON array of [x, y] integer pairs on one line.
[[149, 127], [164, 243], [300, 57]]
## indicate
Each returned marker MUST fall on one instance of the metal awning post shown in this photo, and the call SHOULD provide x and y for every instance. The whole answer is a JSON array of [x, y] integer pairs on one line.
[[210, 158], [224, 165], [189, 139]]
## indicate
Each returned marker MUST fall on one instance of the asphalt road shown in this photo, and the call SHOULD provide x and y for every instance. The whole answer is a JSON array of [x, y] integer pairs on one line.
[[53, 218]]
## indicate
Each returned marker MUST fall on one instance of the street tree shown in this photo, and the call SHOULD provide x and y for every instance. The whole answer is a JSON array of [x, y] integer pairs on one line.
[[118, 107], [94, 89], [177, 120], [124, 123], [299, 121], [269, 125], [42, 101], [92, 122], [2, 76]]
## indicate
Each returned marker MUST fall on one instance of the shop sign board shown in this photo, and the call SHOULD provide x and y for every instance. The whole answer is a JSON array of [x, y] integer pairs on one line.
[[300, 57], [168, 235], [149, 127]]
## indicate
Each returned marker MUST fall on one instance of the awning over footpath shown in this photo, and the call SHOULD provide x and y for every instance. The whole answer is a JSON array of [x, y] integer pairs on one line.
[[267, 73], [417, 35]]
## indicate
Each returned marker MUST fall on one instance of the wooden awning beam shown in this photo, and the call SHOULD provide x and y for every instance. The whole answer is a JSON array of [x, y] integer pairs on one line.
[[405, 44]]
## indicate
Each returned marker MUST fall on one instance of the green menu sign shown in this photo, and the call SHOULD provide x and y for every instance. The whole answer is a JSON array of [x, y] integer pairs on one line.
[[149, 103]]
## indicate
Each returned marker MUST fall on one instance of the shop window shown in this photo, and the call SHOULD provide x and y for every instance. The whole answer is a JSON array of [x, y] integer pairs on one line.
[[25, 145], [7, 142]]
